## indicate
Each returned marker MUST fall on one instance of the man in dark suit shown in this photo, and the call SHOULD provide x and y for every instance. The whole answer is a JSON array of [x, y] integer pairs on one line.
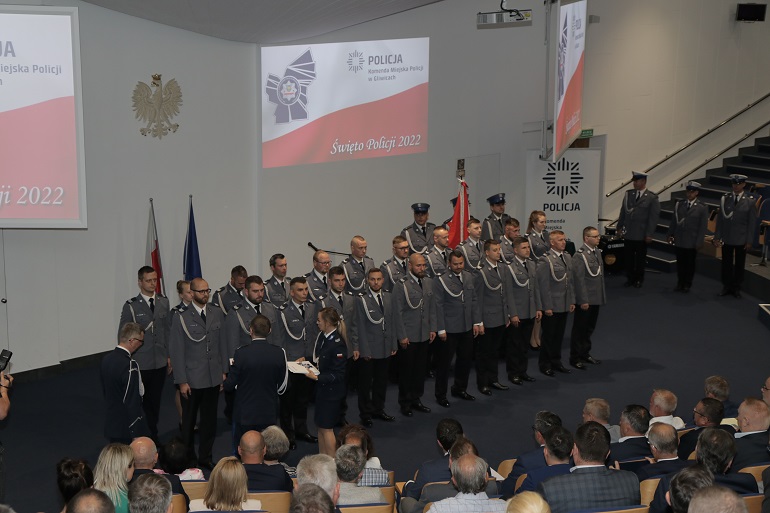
[[145, 459], [557, 450], [431, 471], [251, 449], [637, 222], [687, 232], [229, 295], [751, 441], [258, 375], [684, 485], [120, 378], [632, 445], [717, 387], [707, 413], [590, 484], [663, 442]]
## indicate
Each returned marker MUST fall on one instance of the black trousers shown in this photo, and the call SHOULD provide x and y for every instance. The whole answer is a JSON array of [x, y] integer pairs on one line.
[[685, 266], [372, 386], [351, 379], [204, 400], [553, 334], [412, 363], [460, 344], [636, 256], [294, 401], [517, 345], [229, 402], [583, 326], [153, 381], [487, 355], [733, 264]]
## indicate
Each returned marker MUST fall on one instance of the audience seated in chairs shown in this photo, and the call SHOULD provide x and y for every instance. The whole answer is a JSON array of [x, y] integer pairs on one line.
[[469, 474], [717, 499], [261, 477], [150, 493], [557, 450], [447, 432], [373, 474], [545, 421], [114, 469], [321, 470], [145, 458], [751, 441], [632, 445], [717, 387], [684, 485], [350, 461], [276, 448], [664, 443], [90, 500], [311, 498], [73, 476], [174, 459], [227, 489], [662, 407], [707, 413], [598, 410]]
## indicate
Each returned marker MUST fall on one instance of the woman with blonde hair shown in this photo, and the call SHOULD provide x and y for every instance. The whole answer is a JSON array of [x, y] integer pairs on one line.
[[114, 469], [528, 502], [227, 489]]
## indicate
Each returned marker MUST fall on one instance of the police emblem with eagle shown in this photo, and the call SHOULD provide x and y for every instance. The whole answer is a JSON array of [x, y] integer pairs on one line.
[[156, 105]]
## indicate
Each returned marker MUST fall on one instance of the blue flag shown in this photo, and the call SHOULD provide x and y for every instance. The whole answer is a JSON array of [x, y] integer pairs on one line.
[[192, 258]]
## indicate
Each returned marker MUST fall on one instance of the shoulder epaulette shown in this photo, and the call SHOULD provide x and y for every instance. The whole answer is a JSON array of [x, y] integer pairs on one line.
[[237, 307], [321, 297], [345, 260], [267, 300], [282, 307], [222, 288], [160, 295], [182, 309], [349, 293], [580, 250], [403, 279], [131, 300]]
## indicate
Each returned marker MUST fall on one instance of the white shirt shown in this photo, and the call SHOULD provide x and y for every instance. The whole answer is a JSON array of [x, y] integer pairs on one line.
[[668, 419]]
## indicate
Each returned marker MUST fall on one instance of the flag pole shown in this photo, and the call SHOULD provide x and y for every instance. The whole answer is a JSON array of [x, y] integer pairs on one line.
[[160, 262]]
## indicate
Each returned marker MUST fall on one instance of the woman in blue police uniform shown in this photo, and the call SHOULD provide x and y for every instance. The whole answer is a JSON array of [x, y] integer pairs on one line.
[[330, 355]]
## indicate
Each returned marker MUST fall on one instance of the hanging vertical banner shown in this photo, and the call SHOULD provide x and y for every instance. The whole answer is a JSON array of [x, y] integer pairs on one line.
[[566, 190]]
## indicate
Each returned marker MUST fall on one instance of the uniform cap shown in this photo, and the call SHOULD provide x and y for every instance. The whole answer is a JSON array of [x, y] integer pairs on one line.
[[693, 186], [496, 199], [738, 178], [420, 207], [637, 175]]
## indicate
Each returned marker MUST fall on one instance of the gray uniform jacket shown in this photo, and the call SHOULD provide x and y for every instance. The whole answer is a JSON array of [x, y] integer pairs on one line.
[[538, 245], [492, 228], [490, 285], [347, 311], [225, 298], [736, 223], [316, 287], [237, 322], [154, 352], [471, 253], [523, 292], [392, 273], [588, 271], [506, 250], [355, 274], [375, 328], [436, 262], [295, 334], [638, 218], [688, 225], [418, 243], [415, 309], [556, 282], [457, 305], [198, 353], [275, 293]]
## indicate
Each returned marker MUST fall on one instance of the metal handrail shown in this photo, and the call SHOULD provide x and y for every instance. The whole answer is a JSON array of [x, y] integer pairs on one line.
[[677, 152]]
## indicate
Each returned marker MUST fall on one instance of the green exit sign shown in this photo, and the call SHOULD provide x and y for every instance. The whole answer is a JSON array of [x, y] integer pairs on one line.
[[587, 133]]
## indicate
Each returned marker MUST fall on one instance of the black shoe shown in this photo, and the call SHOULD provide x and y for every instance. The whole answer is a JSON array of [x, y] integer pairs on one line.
[[562, 369], [384, 416], [308, 438], [725, 292], [498, 386], [207, 464], [367, 422], [420, 407], [591, 359], [407, 412], [737, 294], [516, 380], [485, 391], [638, 284], [577, 365], [534, 348], [462, 394], [292, 445], [547, 372], [527, 377], [431, 374], [443, 402]]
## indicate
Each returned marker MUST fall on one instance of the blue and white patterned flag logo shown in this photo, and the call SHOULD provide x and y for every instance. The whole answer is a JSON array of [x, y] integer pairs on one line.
[[563, 178], [289, 94]]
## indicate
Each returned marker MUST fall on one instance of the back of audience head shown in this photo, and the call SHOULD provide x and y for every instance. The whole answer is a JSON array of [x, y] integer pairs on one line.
[[716, 387], [528, 502], [447, 431], [717, 499], [350, 461], [114, 469], [310, 498], [469, 474], [72, 476], [715, 450], [662, 402], [174, 457], [596, 409], [684, 485], [356, 434], [461, 447], [592, 443], [663, 440], [545, 421], [276, 443], [753, 415], [634, 420], [145, 452], [150, 493], [90, 500], [708, 412], [320, 469], [251, 448], [227, 487], [558, 445]]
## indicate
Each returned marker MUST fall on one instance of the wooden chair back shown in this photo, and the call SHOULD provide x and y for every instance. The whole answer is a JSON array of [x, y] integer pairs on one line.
[[755, 471], [647, 489], [389, 492], [754, 502], [392, 476], [274, 502], [682, 432], [505, 467], [376, 508], [178, 503], [195, 489], [519, 481]]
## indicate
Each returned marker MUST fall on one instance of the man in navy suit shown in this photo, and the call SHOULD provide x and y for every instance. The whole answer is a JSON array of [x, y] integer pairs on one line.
[[145, 458], [557, 450], [545, 421], [634, 423], [590, 484], [707, 413], [663, 442], [447, 432], [261, 477], [751, 441]]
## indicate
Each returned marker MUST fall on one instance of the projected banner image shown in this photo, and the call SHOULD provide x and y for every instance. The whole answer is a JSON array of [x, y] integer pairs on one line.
[[570, 58], [344, 101], [41, 176]]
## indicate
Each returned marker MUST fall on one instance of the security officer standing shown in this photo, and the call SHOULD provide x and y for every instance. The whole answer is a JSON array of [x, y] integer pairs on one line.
[[438, 255], [277, 287], [394, 268], [356, 265], [736, 223], [493, 226], [638, 219], [472, 247], [151, 311], [459, 322], [687, 232], [199, 359], [317, 279], [230, 295], [419, 234], [512, 230], [416, 328], [588, 270]]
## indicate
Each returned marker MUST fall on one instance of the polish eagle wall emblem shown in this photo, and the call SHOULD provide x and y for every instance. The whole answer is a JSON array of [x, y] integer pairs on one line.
[[156, 104]]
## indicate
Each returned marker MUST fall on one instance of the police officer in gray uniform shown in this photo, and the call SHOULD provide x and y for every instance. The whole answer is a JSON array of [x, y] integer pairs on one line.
[[525, 308], [588, 271], [318, 279], [459, 321], [277, 287], [638, 219], [493, 226], [438, 255], [296, 329], [512, 230], [230, 295], [539, 241], [395, 268], [419, 234], [555, 280], [490, 282], [356, 265], [252, 303], [472, 247], [151, 311], [375, 341], [736, 223], [199, 359], [687, 232], [416, 327]]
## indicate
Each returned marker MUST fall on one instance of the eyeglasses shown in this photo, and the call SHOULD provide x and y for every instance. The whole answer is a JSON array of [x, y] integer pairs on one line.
[[764, 388], [696, 412], [137, 339], [202, 291], [324, 263], [401, 247]]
